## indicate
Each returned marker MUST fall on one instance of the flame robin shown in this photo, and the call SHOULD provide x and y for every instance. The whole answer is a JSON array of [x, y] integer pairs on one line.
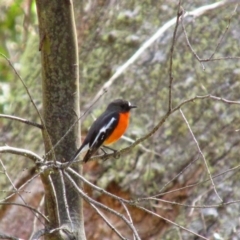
[[107, 129]]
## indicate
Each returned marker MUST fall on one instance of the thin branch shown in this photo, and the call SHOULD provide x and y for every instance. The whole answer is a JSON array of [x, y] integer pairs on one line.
[[179, 13], [200, 151], [21, 120], [22, 152], [26, 206]]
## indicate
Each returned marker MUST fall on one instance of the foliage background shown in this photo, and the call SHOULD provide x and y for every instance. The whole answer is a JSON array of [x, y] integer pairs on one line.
[[109, 33]]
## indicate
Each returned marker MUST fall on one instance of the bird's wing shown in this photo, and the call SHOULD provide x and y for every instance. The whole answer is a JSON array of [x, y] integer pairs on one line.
[[100, 130]]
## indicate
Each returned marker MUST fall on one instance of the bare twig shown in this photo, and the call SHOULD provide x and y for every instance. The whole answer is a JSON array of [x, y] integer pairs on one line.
[[200, 151], [21, 120]]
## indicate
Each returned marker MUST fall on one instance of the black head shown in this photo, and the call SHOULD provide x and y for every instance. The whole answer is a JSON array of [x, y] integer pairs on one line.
[[120, 105]]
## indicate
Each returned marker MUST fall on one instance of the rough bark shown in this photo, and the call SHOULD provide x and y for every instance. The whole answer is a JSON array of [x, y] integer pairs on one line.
[[60, 83]]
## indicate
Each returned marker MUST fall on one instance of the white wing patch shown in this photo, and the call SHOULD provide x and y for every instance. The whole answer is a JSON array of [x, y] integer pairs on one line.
[[85, 148], [103, 130]]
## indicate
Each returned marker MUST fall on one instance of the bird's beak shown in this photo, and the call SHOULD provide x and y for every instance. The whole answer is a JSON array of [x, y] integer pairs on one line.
[[133, 106]]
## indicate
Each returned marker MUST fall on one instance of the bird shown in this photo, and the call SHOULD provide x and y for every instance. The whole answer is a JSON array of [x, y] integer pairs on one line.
[[107, 128]]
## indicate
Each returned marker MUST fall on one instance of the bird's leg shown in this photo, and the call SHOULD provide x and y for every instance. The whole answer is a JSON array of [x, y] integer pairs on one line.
[[116, 153], [104, 152], [109, 148]]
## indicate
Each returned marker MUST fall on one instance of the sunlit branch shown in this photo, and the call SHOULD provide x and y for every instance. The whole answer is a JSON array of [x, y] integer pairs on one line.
[[21, 152]]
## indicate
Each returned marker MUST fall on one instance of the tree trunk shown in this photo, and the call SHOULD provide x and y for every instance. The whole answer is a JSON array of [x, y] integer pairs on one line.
[[60, 87]]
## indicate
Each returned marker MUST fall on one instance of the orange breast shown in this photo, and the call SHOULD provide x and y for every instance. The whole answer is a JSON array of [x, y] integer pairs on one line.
[[120, 129]]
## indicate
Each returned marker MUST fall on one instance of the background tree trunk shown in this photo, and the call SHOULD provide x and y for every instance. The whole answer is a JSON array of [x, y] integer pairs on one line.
[[60, 83]]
